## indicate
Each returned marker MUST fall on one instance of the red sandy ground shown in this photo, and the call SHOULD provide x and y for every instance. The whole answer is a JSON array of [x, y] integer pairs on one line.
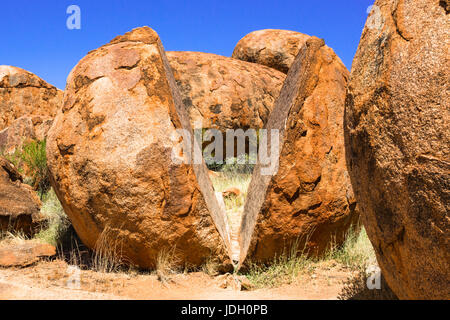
[[47, 280]]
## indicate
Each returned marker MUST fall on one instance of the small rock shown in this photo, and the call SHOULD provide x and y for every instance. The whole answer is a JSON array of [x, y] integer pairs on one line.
[[231, 192], [25, 253], [246, 285], [234, 282]]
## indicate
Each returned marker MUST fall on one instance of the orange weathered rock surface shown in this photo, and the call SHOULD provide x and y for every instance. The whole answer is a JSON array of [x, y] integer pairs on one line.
[[112, 164], [224, 93], [398, 143], [110, 152], [25, 94], [19, 204], [24, 253], [271, 47], [308, 202]]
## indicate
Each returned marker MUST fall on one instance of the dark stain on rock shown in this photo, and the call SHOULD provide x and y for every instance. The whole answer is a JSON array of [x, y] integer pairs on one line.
[[446, 5], [187, 102], [66, 149], [217, 108], [307, 210]]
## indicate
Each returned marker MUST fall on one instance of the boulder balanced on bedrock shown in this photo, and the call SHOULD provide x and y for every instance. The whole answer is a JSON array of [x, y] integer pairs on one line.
[[270, 47]]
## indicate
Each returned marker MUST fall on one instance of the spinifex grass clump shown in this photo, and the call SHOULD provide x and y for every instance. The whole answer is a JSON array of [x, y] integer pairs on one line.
[[282, 270], [107, 255], [35, 158], [243, 164], [31, 161], [57, 231], [355, 254]]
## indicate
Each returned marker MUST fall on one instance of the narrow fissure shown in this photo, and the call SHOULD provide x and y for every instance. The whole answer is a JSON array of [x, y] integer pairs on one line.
[[230, 174], [231, 187]]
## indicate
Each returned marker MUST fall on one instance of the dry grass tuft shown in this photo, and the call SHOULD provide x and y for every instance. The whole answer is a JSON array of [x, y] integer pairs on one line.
[[58, 230], [356, 252], [211, 267], [10, 237], [107, 255], [168, 261], [282, 270], [167, 264]]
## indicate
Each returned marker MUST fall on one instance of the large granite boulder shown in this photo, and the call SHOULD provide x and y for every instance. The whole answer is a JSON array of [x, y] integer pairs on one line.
[[270, 47], [25, 94], [398, 143], [225, 93]]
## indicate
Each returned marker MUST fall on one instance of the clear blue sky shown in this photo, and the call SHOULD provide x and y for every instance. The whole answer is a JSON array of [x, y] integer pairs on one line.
[[35, 36]]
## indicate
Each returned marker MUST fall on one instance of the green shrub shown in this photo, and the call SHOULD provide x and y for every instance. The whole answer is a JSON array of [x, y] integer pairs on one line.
[[31, 161], [242, 164], [35, 157], [211, 164]]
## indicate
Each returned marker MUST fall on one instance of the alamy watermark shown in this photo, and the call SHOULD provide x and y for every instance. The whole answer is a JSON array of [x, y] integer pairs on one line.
[[373, 273], [375, 21], [74, 278], [261, 146], [74, 20]]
